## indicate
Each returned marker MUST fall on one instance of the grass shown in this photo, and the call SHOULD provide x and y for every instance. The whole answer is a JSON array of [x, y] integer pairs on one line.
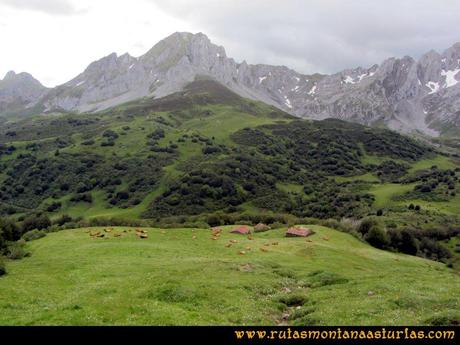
[[384, 193], [451, 207], [441, 162], [369, 177], [290, 188], [173, 279]]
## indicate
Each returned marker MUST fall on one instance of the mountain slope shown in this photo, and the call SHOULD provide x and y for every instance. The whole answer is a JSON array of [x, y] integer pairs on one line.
[[184, 142], [401, 93]]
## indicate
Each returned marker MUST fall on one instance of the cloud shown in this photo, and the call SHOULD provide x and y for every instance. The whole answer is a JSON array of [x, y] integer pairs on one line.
[[55, 7], [55, 46], [322, 35], [47, 39]]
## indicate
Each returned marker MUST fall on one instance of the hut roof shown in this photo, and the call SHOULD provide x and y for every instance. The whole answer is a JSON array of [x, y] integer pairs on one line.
[[299, 232]]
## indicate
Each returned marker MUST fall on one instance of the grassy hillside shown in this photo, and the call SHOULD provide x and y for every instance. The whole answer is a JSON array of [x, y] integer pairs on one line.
[[183, 277]]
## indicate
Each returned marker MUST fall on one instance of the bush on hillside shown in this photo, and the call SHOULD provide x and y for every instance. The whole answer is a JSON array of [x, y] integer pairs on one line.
[[367, 224], [433, 250], [16, 251], [33, 235], [2, 241], [403, 241], [62, 220], [54, 206], [39, 222], [373, 232], [2, 268], [9, 231], [214, 220], [377, 237]]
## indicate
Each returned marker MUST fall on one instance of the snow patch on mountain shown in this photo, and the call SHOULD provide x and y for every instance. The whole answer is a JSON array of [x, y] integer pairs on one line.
[[450, 77]]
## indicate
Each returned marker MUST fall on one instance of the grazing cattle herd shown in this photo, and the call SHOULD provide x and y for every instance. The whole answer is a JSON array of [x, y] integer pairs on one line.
[[216, 232]]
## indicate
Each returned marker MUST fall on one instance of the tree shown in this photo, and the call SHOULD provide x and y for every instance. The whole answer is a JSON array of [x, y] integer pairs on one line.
[[377, 237], [409, 243], [36, 222], [8, 231], [366, 225]]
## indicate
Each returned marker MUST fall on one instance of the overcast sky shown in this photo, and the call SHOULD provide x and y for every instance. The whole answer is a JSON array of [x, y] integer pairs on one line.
[[56, 39]]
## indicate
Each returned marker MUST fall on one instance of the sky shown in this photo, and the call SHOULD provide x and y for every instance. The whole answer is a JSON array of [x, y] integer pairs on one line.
[[55, 40]]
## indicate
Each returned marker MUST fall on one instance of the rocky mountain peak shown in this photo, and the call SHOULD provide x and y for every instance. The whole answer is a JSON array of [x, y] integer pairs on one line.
[[19, 91], [22, 77], [403, 93], [10, 75]]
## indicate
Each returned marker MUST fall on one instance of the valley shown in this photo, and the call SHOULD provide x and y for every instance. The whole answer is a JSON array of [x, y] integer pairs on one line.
[[205, 157]]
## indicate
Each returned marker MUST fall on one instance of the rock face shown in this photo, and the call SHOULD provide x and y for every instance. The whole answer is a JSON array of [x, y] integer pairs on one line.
[[403, 94], [19, 92]]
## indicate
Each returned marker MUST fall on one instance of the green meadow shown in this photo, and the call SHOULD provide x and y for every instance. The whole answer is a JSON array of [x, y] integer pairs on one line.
[[184, 277]]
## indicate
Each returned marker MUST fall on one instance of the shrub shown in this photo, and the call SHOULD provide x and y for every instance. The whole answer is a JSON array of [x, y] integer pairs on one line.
[[33, 235], [85, 197], [36, 222], [214, 220], [54, 206], [2, 241], [110, 134], [367, 224], [210, 150], [347, 225], [403, 241], [377, 237], [433, 250], [16, 251], [2, 268], [8, 231], [63, 220], [277, 225]]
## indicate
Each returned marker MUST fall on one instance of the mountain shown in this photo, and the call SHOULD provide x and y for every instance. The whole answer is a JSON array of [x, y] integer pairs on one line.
[[19, 92], [401, 93]]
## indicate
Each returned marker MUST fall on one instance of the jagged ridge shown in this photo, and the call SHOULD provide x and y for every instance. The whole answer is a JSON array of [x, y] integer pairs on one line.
[[403, 94]]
